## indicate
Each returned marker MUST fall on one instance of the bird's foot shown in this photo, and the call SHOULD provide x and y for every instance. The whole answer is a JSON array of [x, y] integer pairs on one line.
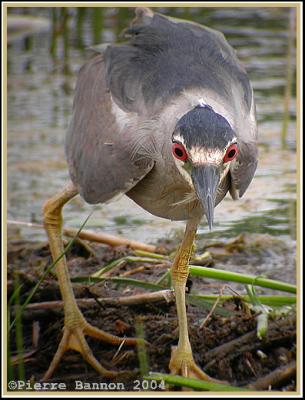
[[182, 363], [74, 331]]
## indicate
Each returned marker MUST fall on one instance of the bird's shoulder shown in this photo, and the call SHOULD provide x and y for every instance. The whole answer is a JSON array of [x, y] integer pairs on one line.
[[162, 56]]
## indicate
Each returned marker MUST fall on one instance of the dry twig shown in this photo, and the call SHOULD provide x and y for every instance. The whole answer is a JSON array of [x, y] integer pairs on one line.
[[275, 378], [110, 240], [277, 330], [143, 298], [203, 323]]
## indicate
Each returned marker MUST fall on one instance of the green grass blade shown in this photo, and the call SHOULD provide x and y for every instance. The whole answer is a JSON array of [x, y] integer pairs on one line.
[[121, 281], [127, 259], [148, 260], [108, 267], [205, 304], [10, 370], [271, 301], [143, 253], [241, 278], [195, 384], [262, 310], [141, 348], [165, 279], [19, 334], [14, 295]]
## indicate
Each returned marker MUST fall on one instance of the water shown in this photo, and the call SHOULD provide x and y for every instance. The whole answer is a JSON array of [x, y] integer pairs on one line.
[[40, 95]]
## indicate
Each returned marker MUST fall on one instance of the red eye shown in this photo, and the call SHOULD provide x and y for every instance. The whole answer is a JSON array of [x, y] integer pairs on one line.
[[179, 151], [231, 153]]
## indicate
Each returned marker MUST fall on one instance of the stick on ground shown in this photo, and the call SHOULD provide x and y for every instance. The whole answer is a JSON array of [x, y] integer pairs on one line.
[[165, 296], [105, 238], [275, 378]]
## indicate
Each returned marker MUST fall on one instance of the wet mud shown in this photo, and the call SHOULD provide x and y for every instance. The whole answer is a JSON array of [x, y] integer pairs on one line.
[[224, 343]]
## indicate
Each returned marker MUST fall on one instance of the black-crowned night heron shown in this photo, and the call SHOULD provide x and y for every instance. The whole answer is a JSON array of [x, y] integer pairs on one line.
[[167, 118]]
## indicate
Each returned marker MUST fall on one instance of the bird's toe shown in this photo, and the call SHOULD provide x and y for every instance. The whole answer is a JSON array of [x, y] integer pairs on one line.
[[74, 332], [182, 363]]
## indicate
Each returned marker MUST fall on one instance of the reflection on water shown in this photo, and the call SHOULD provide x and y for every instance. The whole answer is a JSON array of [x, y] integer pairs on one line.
[[42, 69], [278, 221]]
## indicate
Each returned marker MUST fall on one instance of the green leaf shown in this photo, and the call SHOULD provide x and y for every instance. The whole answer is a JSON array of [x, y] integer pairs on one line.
[[121, 281], [241, 278], [195, 384]]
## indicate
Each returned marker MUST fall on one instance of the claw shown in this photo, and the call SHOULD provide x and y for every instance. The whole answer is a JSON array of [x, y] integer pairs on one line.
[[182, 363], [74, 339]]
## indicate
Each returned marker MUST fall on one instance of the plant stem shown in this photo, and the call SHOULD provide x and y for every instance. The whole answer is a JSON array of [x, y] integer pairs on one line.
[[241, 278]]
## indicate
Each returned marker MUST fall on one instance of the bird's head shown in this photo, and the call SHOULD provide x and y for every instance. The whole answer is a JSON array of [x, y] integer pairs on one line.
[[203, 146]]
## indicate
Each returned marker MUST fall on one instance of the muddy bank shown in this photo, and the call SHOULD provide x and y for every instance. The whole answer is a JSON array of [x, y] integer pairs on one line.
[[225, 344]]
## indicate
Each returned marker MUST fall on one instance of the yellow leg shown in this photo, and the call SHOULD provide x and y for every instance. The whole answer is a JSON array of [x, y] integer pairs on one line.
[[75, 325], [182, 361]]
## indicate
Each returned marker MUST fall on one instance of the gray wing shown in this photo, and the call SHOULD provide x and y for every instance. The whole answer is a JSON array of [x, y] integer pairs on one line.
[[242, 169], [241, 173], [164, 56], [98, 144]]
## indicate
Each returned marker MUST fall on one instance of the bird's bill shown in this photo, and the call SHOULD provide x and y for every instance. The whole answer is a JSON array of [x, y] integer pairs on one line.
[[206, 179]]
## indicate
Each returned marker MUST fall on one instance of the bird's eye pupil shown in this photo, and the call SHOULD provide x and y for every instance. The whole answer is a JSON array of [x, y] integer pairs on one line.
[[178, 152], [231, 153]]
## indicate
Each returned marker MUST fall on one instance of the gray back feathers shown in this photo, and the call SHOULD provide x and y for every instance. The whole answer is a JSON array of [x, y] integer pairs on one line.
[[163, 57]]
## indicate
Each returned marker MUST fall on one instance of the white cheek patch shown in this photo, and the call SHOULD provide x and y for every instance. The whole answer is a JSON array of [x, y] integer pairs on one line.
[[224, 172], [206, 156], [183, 172]]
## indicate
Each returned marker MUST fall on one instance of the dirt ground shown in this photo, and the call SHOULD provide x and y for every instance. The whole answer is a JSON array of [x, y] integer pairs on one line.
[[226, 347]]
